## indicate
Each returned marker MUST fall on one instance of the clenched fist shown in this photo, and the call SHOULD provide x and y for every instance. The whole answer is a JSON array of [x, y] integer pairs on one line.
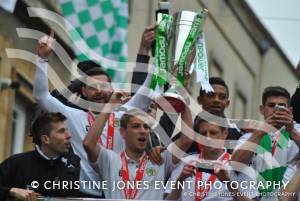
[[45, 45]]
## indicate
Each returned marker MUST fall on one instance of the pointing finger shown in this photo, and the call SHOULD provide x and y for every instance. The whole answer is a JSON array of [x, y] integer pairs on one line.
[[51, 33]]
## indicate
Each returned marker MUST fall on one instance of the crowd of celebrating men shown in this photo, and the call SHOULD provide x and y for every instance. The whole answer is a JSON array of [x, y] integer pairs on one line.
[[106, 135]]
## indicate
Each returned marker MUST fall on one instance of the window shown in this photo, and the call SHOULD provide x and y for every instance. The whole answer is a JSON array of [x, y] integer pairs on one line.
[[22, 114], [215, 69], [18, 127], [240, 104]]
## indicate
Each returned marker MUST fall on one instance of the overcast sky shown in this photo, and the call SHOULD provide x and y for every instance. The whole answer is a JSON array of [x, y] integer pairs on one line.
[[282, 19]]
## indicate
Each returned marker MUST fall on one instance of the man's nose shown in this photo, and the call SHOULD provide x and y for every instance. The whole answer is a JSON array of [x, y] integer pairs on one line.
[[144, 130], [68, 136], [216, 99], [98, 87], [208, 137]]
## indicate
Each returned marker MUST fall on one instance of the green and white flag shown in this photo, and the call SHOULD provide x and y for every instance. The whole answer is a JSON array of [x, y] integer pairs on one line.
[[272, 159], [102, 24]]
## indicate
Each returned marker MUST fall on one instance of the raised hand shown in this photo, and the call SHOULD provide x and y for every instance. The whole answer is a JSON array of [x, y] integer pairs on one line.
[[147, 39], [119, 97], [155, 155], [285, 117], [45, 45], [271, 120]]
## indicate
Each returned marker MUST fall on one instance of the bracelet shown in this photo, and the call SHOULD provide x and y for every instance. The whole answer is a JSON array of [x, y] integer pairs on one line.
[[43, 60]]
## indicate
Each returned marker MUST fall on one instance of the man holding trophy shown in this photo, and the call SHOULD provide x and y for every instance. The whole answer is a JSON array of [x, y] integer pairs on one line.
[[180, 49]]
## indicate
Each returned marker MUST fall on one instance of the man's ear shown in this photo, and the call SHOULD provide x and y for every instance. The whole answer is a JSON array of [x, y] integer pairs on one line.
[[199, 99], [228, 103], [123, 132], [45, 139], [262, 109], [225, 133], [83, 91]]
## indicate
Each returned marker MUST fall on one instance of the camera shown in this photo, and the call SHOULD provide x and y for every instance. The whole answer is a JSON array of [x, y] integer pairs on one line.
[[279, 107], [205, 166]]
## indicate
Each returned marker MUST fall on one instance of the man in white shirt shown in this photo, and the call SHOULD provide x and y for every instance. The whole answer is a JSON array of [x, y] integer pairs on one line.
[[277, 151], [216, 180], [133, 165], [97, 89]]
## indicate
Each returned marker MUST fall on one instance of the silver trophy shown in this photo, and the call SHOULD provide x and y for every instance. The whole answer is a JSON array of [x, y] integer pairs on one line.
[[184, 32]]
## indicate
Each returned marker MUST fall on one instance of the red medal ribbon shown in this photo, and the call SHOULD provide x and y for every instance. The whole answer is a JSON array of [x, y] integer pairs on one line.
[[202, 192], [131, 193], [275, 143], [110, 129]]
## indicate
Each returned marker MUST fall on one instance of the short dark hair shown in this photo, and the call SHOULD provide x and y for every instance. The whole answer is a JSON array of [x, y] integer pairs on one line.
[[43, 125], [84, 66], [129, 114], [90, 68], [95, 71], [275, 91], [199, 119], [217, 81]]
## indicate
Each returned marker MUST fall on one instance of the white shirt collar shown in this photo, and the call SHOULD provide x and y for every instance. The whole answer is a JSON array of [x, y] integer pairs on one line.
[[42, 154], [133, 161], [232, 125]]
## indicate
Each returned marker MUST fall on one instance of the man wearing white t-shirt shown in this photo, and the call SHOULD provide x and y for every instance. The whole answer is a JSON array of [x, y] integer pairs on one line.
[[97, 89], [272, 154], [215, 181], [133, 165]]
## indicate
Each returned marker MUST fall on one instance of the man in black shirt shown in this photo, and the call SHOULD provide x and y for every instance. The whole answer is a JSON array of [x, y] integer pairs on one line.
[[295, 100], [28, 175], [295, 103]]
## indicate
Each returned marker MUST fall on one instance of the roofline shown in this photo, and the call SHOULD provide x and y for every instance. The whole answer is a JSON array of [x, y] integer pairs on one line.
[[266, 33]]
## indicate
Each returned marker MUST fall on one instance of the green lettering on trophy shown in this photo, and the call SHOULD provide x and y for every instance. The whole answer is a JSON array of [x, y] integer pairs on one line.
[[200, 56]]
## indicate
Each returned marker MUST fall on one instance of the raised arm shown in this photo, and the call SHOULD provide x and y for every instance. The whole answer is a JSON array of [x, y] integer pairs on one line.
[[248, 143], [40, 90], [90, 142], [143, 97], [141, 79], [244, 153], [139, 76], [44, 48], [187, 135]]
